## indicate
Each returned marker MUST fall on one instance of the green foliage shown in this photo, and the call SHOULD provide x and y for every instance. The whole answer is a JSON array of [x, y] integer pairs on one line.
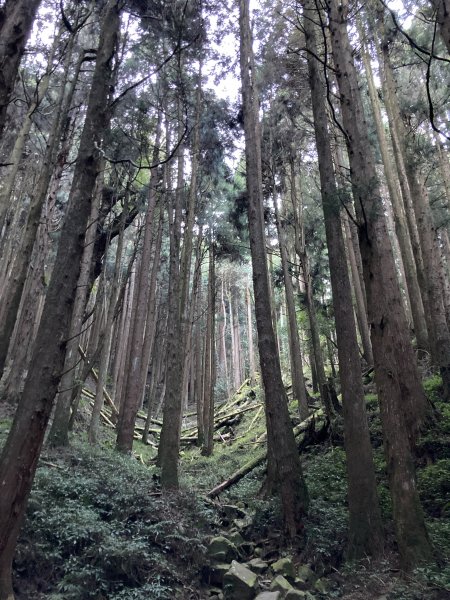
[[327, 521], [96, 528], [433, 387], [434, 487]]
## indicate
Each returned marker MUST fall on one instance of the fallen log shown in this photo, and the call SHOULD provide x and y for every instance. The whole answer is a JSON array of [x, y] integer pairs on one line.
[[302, 428], [106, 396]]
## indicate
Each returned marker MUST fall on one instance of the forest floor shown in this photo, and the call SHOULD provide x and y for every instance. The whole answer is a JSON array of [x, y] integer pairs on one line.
[[98, 526]]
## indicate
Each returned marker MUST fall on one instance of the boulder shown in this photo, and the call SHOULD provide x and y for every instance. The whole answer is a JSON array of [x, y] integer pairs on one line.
[[295, 595], [233, 512], [280, 584], [285, 567], [322, 586], [268, 596], [236, 538], [305, 573], [257, 565], [239, 583], [221, 550], [213, 574]]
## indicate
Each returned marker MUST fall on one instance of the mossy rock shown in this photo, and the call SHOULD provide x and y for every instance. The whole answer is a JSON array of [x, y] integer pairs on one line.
[[284, 566], [257, 565], [221, 550], [305, 573], [280, 584], [239, 583], [236, 538]]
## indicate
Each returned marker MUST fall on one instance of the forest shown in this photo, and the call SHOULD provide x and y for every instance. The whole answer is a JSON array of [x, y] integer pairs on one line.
[[224, 299]]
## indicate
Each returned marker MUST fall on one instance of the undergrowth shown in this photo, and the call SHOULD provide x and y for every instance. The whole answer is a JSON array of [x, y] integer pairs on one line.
[[98, 527]]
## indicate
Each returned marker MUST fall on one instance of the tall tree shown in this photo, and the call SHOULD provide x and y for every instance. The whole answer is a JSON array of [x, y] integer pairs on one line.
[[283, 464], [16, 21], [403, 406], [21, 452], [365, 526]]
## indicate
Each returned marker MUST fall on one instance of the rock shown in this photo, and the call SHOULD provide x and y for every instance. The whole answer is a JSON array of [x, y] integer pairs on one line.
[[214, 574], [242, 523], [284, 567], [305, 573], [236, 538], [321, 586], [222, 550], [257, 565], [268, 596], [239, 583], [233, 512], [280, 584]]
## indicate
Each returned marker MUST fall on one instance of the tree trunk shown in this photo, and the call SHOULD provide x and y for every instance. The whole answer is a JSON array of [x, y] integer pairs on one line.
[[442, 8], [402, 401], [208, 391], [16, 18], [401, 227], [12, 293], [365, 525], [129, 404], [169, 446], [59, 432], [283, 464], [21, 452], [295, 352], [251, 350], [94, 426]]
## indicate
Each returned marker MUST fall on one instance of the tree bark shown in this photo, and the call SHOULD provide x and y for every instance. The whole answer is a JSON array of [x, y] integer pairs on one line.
[[208, 390], [16, 21], [401, 227], [403, 406], [21, 452], [283, 470], [129, 404], [295, 352], [365, 525]]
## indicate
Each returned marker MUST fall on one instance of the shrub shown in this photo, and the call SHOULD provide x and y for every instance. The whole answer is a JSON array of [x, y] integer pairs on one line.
[[97, 527]]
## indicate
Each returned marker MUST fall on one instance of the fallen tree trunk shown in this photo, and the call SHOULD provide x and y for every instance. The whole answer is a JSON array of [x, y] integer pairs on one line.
[[306, 427], [95, 376]]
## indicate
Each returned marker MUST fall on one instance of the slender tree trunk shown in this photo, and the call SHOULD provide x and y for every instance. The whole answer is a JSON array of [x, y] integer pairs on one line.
[[251, 350], [442, 8], [295, 352], [402, 401], [223, 360], [21, 452], [129, 404], [17, 18], [94, 426], [283, 464], [365, 526], [431, 285], [59, 432], [169, 446], [401, 226], [208, 399], [13, 291]]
